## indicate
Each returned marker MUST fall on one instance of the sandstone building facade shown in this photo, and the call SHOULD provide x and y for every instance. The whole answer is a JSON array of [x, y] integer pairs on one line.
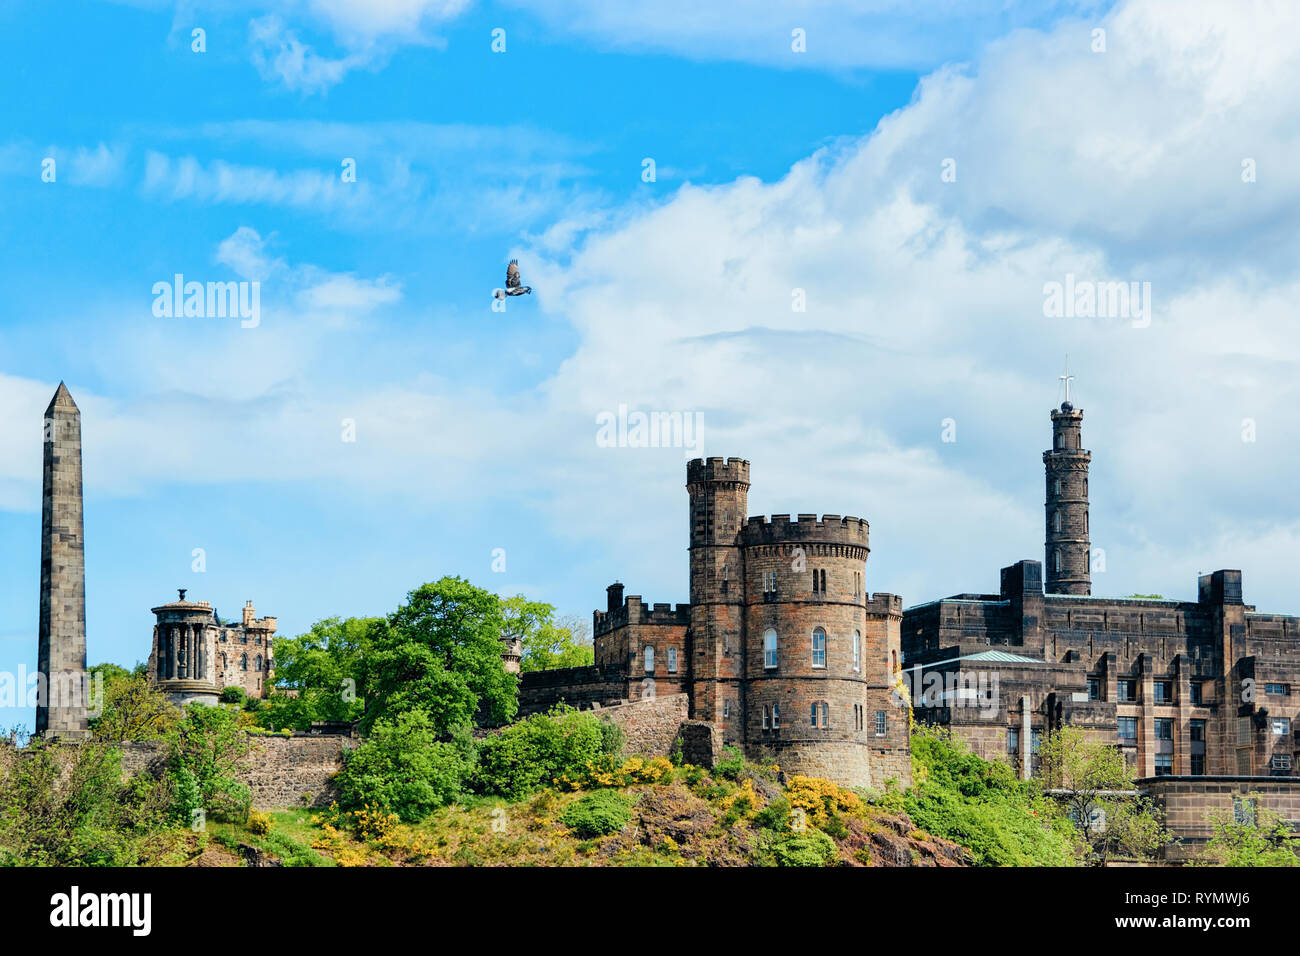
[[781, 646], [1183, 688], [195, 656]]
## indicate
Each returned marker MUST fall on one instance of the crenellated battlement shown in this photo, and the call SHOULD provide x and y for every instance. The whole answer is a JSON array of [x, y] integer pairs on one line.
[[830, 529], [636, 611], [884, 603], [717, 469]]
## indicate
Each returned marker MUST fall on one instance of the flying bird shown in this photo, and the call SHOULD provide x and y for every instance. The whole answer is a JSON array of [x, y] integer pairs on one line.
[[512, 283]]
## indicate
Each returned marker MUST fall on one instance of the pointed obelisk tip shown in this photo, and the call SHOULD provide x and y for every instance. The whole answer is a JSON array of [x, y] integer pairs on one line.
[[62, 399]]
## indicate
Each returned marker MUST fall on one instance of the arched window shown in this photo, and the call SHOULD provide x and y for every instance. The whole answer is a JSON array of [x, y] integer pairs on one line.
[[243, 662], [857, 651], [1085, 522], [649, 659], [1056, 521], [776, 716], [1085, 487], [672, 660], [258, 664], [818, 647], [224, 663], [769, 648]]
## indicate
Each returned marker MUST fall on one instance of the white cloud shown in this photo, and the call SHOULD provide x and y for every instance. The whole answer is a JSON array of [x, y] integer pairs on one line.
[[924, 302]]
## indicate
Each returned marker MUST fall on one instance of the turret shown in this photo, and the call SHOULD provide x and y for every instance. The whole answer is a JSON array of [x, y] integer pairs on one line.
[[1066, 465], [719, 494]]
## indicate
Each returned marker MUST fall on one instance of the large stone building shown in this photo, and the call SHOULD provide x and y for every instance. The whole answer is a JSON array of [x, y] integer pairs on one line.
[[196, 655], [781, 646], [1191, 688]]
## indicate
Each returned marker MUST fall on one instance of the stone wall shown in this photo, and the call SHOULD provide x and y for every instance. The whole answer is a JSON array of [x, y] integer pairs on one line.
[[701, 742], [1191, 803], [278, 770], [651, 726]]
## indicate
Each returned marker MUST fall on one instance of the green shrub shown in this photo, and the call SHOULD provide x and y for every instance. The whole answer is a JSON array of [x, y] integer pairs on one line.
[[533, 752], [809, 848], [598, 813], [984, 806], [404, 769], [732, 762], [232, 695]]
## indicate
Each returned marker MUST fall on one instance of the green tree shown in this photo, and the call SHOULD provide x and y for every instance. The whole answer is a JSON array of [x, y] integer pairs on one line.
[[1094, 783], [207, 746], [440, 653], [1257, 837], [317, 674], [133, 708], [548, 642]]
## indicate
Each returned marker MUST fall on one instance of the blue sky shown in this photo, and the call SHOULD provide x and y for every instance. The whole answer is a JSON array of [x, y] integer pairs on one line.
[[776, 171]]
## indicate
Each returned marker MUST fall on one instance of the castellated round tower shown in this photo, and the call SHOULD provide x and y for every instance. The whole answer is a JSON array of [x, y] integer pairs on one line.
[[1067, 557], [790, 655]]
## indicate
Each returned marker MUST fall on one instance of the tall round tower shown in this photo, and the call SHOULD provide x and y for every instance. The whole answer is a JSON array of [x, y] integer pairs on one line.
[[1066, 464], [719, 495]]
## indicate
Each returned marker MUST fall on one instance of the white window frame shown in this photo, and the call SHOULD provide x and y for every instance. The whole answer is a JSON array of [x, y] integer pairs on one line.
[[771, 641], [857, 650], [816, 650], [881, 723], [649, 659], [776, 716], [672, 660]]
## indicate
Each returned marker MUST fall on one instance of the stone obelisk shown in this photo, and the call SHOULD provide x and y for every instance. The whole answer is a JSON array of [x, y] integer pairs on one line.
[[61, 705]]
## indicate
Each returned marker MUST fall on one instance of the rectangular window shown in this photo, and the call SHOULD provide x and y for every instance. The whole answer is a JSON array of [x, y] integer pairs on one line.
[[1163, 691], [1279, 690], [726, 709], [769, 648], [1198, 765], [1035, 740], [776, 716], [1128, 728], [672, 660], [814, 715], [1243, 731], [1013, 741], [767, 717], [857, 651], [1197, 730], [1094, 688], [1281, 726], [1280, 765], [819, 648], [880, 723], [1243, 812], [1197, 692], [1125, 690], [649, 660], [1164, 728], [1164, 765], [769, 582]]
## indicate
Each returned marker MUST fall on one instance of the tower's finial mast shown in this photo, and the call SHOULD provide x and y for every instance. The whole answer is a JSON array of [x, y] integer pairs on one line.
[[1067, 378]]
